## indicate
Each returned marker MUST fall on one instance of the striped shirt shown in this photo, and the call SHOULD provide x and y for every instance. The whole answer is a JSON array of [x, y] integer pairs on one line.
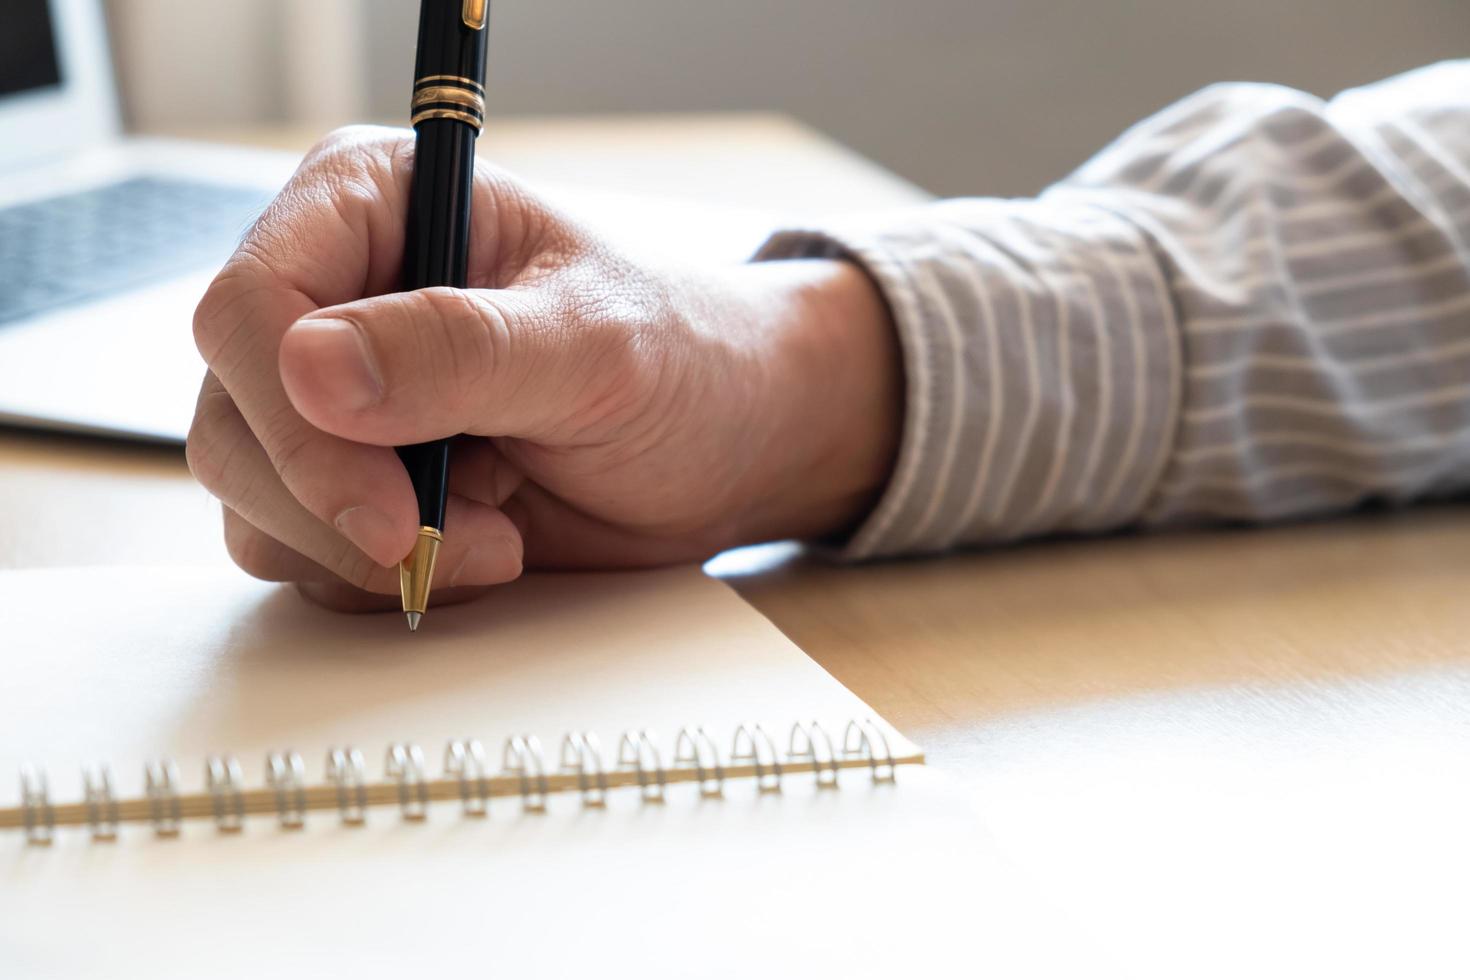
[[1254, 305]]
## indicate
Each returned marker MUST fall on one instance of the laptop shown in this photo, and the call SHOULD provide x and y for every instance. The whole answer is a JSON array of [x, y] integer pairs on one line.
[[106, 243]]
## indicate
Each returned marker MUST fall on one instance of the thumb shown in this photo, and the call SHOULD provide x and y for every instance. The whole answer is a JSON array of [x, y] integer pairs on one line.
[[412, 367]]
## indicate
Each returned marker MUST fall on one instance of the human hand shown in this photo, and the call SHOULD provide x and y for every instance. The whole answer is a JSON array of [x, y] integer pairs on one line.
[[610, 412]]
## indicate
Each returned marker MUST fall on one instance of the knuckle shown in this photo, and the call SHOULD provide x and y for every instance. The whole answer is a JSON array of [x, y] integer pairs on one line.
[[286, 438], [356, 166], [352, 566], [208, 446], [343, 180], [249, 548], [349, 143], [224, 310], [206, 316], [334, 143]]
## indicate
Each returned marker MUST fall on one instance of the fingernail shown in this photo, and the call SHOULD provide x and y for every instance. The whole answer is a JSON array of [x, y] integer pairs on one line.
[[366, 527], [487, 563], [341, 362]]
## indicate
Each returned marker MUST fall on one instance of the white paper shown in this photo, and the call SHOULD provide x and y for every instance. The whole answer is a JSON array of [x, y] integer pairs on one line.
[[123, 665]]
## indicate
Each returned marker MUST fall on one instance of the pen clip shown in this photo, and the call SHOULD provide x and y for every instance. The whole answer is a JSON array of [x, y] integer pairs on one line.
[[474, 14]]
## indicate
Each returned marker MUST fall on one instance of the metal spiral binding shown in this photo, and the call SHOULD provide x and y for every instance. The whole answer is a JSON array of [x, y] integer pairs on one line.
[[35, 800], [753, 745], [466, 776], [522, 757], [694, 747], [101, 803], [464, 759], [636, 751], [285, 774], [581, 754], [811, 743], [347, 772], [222, 778], [405, 766], [863, 739], [161, 785]]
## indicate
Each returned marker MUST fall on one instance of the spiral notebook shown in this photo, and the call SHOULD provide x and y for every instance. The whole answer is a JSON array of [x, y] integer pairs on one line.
[[583, 774]]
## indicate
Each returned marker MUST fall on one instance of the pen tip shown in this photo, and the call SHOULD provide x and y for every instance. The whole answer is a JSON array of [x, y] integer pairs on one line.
[[413, 621]]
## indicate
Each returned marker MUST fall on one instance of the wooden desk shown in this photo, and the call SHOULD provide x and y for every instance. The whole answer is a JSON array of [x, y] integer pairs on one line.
[[1227, 754]]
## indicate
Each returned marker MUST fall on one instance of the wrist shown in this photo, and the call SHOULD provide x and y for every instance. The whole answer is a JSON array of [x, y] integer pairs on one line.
[[832, 391]]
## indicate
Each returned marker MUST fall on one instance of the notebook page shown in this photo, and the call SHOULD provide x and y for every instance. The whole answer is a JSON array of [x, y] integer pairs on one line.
[[122, 665]]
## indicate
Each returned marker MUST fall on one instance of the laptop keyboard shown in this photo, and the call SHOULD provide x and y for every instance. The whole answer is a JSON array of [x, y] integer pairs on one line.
[[65, 250]]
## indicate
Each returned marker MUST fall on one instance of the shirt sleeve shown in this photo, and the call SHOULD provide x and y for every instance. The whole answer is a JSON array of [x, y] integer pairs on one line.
[[1253, 306]]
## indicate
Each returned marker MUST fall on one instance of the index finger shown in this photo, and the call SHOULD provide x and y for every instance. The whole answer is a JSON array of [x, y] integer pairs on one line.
[[335, 233]]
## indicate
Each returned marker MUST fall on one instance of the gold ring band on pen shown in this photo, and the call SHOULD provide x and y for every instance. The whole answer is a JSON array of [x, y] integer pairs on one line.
[[449, 97], [469, 83]]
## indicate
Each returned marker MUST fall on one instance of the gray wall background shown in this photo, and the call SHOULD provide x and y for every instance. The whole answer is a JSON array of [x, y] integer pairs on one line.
[[960, 96]]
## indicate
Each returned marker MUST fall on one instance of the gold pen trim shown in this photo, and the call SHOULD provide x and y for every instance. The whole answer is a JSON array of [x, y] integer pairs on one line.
[[416, 571], [468, 82], [464, 117], [457, 102], [452, 94], [474, 14]]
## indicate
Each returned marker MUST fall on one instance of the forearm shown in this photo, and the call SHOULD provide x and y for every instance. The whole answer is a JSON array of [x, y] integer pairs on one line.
[[1319, 267], [1040, 362], [1251, 307]]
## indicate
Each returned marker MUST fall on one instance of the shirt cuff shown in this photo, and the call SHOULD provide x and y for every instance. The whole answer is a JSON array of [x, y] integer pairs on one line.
[[1042, 368]]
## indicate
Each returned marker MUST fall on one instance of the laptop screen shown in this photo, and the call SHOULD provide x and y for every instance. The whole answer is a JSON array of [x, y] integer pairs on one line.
[[27, 47]]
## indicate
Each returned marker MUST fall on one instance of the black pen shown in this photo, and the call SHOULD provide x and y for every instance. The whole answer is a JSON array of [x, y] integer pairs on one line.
[[448, 113]]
